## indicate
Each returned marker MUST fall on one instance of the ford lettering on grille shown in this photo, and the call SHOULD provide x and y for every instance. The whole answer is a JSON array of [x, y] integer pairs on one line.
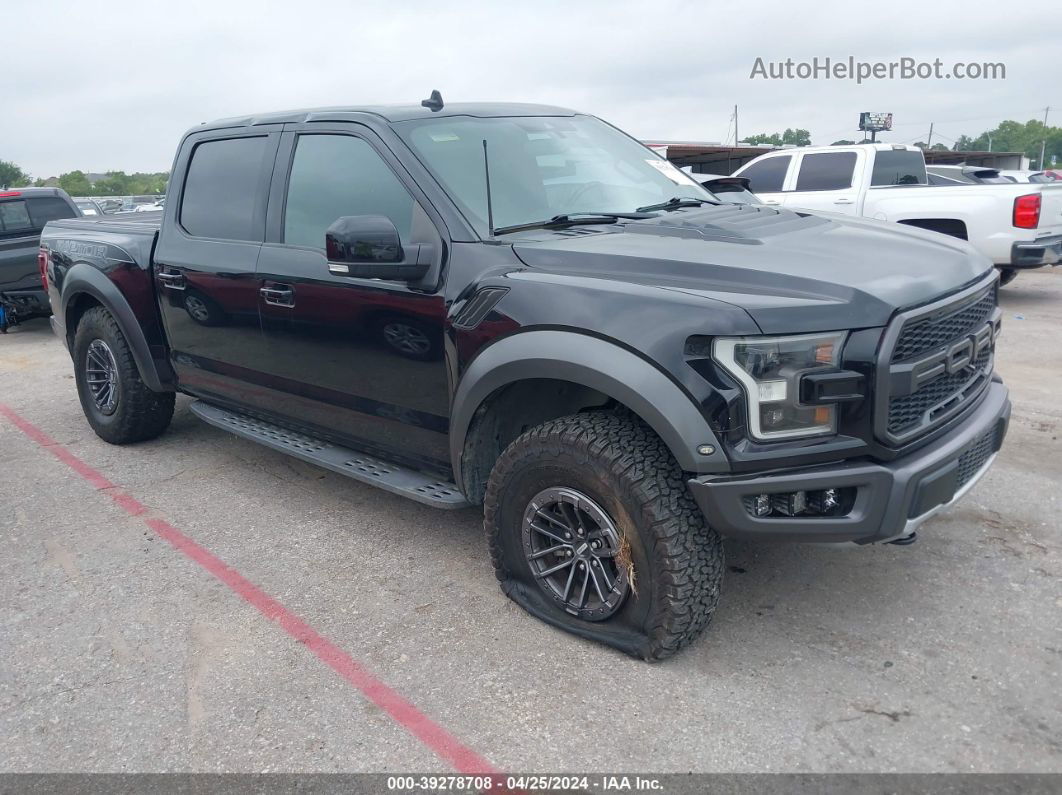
[[935, 361]]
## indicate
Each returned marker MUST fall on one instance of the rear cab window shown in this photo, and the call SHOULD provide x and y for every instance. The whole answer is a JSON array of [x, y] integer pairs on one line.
[[898, 167]]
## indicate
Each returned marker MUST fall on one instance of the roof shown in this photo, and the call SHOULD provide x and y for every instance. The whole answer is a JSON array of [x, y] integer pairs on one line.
[[29, 192], [391, 113]]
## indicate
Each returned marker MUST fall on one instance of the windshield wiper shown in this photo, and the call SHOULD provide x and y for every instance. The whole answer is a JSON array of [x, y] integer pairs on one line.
[[674, 203], [572, 219]]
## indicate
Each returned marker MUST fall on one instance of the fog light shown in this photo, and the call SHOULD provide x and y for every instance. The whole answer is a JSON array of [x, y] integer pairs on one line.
[[824, 502], [790, 504], [761, 505]]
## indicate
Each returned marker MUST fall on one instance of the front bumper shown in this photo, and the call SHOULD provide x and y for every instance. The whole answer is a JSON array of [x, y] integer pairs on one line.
[[892, 498], [1036, 253]]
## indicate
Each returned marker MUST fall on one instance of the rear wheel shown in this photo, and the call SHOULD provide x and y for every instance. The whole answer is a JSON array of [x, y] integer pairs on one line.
[[118, 405], [591, 528]]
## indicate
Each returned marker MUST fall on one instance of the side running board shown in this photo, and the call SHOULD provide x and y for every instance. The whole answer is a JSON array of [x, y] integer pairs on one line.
[[352, 463]]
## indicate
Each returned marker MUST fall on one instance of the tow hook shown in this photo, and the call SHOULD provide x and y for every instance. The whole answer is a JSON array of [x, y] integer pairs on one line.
[[904, 541]]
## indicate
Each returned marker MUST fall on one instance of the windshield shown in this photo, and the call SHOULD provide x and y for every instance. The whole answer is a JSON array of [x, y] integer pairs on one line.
[[543, 166]]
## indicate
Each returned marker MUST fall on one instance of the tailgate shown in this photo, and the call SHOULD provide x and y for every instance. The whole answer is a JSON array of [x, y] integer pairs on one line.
[[1050, 211]]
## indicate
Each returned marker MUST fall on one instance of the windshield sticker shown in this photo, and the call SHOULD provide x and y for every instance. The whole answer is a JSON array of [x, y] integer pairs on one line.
[[669, 170], [442, 137]]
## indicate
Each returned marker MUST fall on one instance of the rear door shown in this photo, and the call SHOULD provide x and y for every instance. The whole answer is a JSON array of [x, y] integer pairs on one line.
[[205, 261], [827, 181], [767, 178]]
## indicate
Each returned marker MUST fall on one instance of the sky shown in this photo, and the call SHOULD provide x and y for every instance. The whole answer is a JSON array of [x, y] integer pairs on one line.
[[112, 86]]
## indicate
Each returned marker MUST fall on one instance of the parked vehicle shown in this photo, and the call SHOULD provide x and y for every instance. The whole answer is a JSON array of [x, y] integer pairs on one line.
[[520, 307], [88, 206], [1015, 226], [23, 214], [966, 175], [732, 190], [1020, 175]]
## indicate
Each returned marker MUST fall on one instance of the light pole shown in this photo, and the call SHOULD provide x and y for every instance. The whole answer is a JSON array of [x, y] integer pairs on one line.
[[1043, 143]]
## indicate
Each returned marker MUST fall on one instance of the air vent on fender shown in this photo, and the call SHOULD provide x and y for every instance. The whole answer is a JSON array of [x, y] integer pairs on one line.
[[478, 307]]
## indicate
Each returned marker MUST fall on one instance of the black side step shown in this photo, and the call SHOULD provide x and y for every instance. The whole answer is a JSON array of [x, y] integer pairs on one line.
[[352, 463]]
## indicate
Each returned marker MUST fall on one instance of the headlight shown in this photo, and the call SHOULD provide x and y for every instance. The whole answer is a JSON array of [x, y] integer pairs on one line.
[[769, 369]]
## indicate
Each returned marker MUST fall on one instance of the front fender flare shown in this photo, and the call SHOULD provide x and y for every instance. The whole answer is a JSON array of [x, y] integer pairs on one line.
[[85, 278], [597, 364]]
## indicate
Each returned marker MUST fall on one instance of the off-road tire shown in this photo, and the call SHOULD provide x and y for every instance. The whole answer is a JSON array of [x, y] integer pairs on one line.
[[624, 466], [140, 413]]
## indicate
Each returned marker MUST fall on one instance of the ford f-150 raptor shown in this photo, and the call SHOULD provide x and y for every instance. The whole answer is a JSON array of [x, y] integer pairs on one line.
[[523, 308]]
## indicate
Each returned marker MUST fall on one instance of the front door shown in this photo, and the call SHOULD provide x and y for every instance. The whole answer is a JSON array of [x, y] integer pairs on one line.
[[826, 181], [359, 359], [767, 178], [206, 257]]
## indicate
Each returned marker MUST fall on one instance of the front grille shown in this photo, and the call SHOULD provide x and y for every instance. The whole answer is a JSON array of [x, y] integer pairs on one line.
[[973, 459], [908, 411], [925, 335], [919, 385]]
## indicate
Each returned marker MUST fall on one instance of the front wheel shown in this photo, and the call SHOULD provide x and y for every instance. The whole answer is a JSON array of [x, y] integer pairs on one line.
[[117, 404], [591, 528]]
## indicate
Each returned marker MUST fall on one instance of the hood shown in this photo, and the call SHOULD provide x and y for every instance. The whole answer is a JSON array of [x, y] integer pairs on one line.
[[792, 272]]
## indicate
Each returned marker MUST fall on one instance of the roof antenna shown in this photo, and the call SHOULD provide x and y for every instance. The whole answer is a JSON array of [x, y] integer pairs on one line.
[[486, 174], [434, 102]]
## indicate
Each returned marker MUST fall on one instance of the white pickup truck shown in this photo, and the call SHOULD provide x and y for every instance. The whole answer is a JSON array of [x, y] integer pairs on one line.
[[1015, 225]]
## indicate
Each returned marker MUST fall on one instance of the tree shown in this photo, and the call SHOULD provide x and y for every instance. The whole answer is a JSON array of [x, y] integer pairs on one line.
[[11, 176], [763, 139], [75, 183], [796, 137]]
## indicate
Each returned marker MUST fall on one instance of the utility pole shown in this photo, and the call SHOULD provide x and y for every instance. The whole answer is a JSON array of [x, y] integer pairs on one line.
[[1043, 143], [736, 136], [990, 142], [929, 140]]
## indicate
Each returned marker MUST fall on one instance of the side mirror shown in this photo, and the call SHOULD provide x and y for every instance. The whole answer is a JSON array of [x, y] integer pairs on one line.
[[368, 247]]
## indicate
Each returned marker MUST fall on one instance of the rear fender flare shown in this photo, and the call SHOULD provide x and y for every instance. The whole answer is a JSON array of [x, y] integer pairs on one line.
[[83, 278], [597, 364]]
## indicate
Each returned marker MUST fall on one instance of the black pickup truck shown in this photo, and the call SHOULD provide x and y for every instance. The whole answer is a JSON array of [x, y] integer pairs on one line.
[[523, 308], [23, 214]]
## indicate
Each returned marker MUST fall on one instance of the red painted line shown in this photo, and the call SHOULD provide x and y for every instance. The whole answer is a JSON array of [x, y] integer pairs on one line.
[[445, 745]]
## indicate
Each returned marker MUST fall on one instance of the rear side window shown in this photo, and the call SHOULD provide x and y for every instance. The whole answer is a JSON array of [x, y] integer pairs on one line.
[[221, 188], [14, 216], [898, 167], [337, 175], [826, 171], [43, 209], [768, 175]]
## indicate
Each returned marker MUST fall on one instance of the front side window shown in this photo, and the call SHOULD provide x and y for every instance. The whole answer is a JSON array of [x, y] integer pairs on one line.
[[221, 188], [768, 175], [333, 176], [826, 171], [14, 216], [543, 166]]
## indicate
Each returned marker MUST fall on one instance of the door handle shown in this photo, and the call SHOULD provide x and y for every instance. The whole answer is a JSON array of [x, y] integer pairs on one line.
[[172, 281], [843, 201], [282, 295]]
